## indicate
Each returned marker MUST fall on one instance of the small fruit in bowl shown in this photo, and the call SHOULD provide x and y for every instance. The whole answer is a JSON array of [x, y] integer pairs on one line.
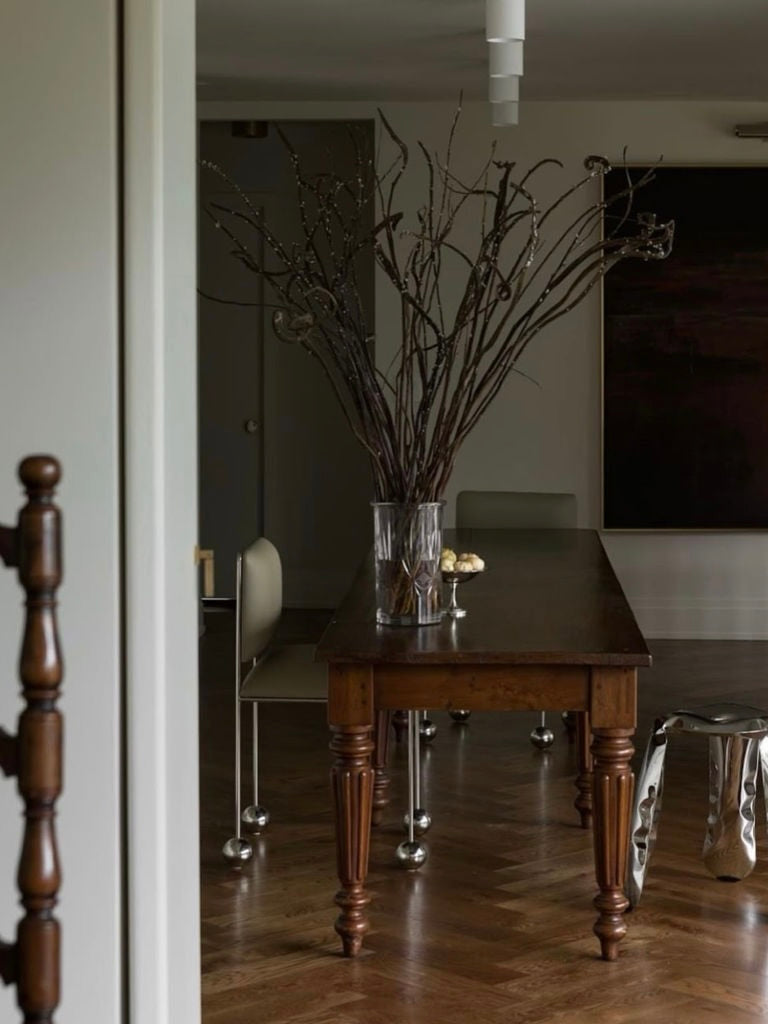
[[468, 561], [474, 560]]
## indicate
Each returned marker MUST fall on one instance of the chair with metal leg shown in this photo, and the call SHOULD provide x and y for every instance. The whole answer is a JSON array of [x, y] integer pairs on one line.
[[264, 672], [516, 510], [738, 747], [412, 853]]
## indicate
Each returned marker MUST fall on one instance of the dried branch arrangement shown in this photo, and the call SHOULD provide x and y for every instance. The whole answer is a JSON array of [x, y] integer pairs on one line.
[[468, 311]]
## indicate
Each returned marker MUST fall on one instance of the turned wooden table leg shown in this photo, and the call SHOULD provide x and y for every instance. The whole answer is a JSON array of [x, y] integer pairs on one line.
[[380, 765], [350, 712], [613, 705], [583, 801], [400, 724]]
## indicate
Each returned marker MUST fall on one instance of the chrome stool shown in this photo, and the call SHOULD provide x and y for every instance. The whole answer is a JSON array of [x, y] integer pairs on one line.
[[738, 739]]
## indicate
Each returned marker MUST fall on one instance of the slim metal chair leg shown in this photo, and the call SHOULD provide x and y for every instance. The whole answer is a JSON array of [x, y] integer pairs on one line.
[[255, 816], [417, 820], [412, 853], [237, 850], [460, 715], [427, 728], [542, 736]]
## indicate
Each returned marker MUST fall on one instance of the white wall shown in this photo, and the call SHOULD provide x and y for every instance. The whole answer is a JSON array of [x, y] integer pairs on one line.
[[58, 393], [161, 708], [680, 585]]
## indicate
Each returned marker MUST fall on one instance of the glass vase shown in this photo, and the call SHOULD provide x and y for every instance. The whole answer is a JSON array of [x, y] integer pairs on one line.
[[408, 540]]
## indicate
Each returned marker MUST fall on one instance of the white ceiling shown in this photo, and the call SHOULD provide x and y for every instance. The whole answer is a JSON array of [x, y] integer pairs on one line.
[[432, 49]]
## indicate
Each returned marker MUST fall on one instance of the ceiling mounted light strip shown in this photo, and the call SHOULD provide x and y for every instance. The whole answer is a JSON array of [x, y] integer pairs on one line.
[[504, 20]]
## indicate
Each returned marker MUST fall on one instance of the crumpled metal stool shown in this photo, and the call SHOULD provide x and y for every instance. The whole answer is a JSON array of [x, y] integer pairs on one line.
[[738, 738]]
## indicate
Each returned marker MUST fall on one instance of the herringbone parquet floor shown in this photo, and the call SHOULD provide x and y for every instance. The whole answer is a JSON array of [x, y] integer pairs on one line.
[[496, 928]]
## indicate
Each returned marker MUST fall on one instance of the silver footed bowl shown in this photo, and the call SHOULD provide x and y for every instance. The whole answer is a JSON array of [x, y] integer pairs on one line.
[[459, 577], [453, 611]]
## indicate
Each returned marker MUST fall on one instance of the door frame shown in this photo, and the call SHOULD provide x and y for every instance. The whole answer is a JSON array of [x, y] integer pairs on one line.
[[159, 482]]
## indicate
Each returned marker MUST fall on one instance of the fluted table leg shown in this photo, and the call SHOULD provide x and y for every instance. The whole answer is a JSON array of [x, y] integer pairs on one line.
[[583, 801], [350, 712], [613, 703]]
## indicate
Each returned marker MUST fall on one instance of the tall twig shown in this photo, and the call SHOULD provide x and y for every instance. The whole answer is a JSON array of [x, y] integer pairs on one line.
[[469, 306]]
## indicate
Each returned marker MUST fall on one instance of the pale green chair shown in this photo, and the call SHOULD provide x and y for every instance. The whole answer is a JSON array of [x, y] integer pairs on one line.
[[264, 671]]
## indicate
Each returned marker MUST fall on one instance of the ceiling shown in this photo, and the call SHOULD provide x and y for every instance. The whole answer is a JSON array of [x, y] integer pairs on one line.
[[433, 49]]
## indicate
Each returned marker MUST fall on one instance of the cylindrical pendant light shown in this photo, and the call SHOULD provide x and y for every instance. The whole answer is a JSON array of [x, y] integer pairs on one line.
[[504, 89], [505, 58], [503, 114], [504, 20]]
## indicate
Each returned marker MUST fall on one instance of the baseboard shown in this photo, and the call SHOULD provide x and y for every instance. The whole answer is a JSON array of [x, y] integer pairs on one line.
[[701, 618]]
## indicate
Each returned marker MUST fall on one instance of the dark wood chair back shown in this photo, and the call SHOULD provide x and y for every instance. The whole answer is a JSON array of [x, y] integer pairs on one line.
[[34, 754]]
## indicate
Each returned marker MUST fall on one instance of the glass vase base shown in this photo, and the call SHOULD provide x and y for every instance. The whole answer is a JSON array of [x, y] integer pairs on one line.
[[429, 619]]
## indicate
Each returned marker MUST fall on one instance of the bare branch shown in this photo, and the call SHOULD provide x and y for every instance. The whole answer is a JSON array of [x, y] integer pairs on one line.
[[469, 306]]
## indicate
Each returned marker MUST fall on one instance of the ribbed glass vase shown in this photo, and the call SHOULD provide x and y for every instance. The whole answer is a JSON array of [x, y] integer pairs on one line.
[[407, 544]]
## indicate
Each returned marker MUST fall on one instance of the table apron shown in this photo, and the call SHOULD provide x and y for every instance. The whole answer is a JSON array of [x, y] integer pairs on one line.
[[482, 687]]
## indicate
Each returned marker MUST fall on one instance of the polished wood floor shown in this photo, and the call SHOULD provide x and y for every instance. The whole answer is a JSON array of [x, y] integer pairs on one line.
[[496, 928]]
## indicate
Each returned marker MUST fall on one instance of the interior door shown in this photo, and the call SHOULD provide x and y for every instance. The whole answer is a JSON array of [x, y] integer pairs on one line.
[[231, 406], [276, 454]]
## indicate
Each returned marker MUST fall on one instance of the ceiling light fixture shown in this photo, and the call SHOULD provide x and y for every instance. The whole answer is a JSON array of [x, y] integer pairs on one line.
[[505, 58], [505, 34], [504, 20], [504, 89], [504, 114]]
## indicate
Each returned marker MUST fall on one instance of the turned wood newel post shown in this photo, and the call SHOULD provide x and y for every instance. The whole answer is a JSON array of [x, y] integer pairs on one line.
[[39, 742]]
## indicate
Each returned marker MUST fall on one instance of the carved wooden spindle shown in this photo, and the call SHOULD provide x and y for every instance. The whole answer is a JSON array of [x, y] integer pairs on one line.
[[583, 801], [380, 766], [35, 756], [400, 724]]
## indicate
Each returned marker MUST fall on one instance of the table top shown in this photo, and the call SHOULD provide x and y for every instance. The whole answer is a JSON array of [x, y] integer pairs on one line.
[[546, 597]]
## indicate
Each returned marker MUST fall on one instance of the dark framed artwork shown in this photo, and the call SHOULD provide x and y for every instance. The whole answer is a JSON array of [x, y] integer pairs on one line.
[[685, 359]]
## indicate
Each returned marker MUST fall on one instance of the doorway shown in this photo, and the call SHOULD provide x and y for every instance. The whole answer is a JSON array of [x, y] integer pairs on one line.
[[276, 455]]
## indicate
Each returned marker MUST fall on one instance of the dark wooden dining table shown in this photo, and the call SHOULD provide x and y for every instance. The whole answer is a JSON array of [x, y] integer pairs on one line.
[[548, 628]]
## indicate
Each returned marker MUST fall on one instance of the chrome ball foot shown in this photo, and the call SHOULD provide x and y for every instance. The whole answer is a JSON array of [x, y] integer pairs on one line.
[[542, 737], [460, 715], [255, 817], [411, 854], [427, 730], [237, 851], [422, 821]]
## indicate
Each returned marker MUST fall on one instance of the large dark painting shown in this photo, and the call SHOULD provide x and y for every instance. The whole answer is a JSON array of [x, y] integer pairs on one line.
[[685, 392]]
